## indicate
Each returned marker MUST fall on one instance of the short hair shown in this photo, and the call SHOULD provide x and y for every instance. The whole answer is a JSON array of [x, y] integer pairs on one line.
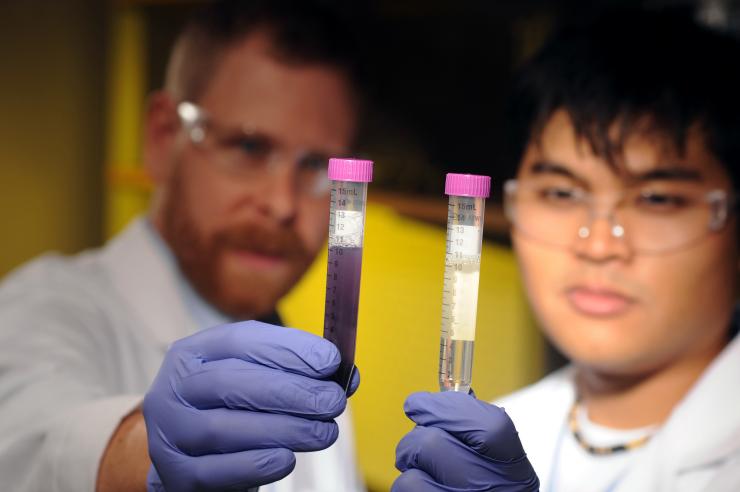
[[628, 68], [301, 31]]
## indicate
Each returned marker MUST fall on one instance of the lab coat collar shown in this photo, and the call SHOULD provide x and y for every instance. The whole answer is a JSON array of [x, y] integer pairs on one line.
[[203, 314], [702, 432], [708, 419], [148, 283]]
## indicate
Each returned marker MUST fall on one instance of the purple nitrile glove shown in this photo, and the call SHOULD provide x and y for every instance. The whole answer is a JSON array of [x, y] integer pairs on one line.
[[461, 444], [232, 403]]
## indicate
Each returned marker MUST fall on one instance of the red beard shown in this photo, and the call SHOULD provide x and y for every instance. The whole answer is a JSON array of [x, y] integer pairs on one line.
[[201, 258]]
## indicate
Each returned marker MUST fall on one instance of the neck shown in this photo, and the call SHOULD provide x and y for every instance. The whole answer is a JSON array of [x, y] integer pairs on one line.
[[639, 400]]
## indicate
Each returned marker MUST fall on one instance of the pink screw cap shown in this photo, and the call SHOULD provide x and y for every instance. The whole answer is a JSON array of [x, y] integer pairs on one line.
[[468, 185], [357, 170]]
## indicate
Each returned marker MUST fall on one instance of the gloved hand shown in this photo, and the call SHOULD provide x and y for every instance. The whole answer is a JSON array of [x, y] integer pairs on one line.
[[460, 443], [231, 404]]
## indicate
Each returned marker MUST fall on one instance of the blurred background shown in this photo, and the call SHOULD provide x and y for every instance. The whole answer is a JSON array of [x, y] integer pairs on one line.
[[74, 76]]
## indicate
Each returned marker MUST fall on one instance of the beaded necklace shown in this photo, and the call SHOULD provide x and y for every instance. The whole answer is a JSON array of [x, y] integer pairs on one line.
[[600, 450]]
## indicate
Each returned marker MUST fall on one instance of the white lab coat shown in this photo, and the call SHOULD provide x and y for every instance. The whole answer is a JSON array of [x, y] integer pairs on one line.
[[81, 338], [697, 449]]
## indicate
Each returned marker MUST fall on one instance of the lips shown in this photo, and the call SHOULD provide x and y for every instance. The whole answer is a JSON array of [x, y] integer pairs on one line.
[[598, 302]]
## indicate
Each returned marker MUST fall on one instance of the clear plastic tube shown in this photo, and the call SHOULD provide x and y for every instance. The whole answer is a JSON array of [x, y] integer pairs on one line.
[[461, 278], [346, 234]]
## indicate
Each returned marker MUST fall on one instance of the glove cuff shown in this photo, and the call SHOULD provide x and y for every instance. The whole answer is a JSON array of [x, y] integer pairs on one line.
[[153, 483]]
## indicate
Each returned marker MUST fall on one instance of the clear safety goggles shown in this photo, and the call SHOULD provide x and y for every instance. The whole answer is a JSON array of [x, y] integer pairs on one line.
[[650, 219], [249, 155]]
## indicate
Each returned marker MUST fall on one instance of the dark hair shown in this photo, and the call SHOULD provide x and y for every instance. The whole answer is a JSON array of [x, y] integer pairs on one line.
[[628, 68], [302, 32]]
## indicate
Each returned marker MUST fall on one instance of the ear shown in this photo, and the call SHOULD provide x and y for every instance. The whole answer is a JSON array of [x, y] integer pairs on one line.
[[161, 128]]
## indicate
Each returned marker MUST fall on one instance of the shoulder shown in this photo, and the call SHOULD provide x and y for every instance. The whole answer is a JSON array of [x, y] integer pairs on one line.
[[83, 275], [54, 274], [57, 296]]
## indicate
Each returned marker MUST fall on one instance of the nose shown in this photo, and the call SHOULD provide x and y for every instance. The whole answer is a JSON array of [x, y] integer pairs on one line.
[[279, 193], [602, 239]]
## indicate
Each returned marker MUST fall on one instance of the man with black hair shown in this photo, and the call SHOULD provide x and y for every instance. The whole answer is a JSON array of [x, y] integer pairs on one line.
[[258, 95], [623, 212]]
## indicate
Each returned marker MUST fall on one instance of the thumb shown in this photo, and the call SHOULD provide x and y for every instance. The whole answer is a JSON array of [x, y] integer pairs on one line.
[[483, 427]]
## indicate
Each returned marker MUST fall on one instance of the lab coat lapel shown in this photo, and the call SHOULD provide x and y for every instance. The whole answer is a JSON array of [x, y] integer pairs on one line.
[[711, 412], [701, 433], [148, 284]]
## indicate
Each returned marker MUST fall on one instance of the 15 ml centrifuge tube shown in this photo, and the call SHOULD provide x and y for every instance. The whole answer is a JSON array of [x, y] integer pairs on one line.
[[349, 179], [467, 194]]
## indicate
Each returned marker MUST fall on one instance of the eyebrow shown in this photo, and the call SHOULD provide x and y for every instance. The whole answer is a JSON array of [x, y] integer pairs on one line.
[[550, 167], [668, 173]]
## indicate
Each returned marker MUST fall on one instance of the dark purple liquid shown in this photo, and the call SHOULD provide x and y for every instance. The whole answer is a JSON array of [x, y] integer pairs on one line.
[[342, 302]]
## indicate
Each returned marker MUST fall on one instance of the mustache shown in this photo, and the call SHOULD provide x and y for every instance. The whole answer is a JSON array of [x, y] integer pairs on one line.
[[272, 242]]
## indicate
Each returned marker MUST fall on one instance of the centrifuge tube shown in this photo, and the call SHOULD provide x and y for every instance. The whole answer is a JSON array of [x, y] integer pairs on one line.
[[349, 179], [467, 194]]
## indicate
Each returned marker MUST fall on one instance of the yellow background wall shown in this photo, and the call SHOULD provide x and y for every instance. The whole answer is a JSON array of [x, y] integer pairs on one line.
[[126, 91]]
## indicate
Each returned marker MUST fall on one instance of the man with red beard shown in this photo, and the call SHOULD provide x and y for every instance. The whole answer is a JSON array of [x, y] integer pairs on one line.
[[258, 95]]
